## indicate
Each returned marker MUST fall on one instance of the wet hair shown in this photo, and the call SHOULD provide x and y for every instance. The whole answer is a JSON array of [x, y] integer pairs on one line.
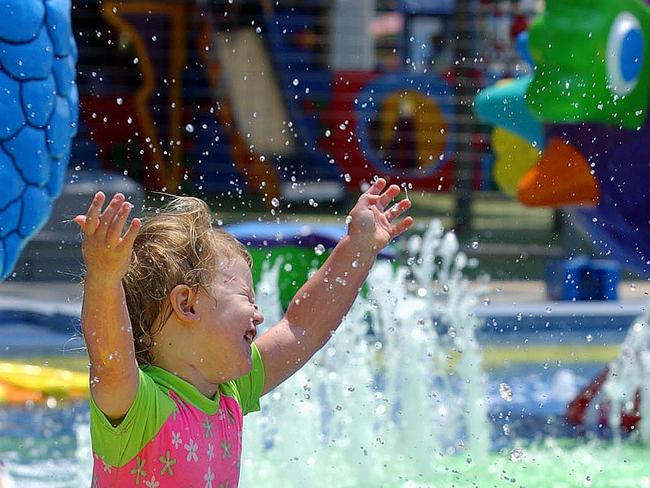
[[176, 245]]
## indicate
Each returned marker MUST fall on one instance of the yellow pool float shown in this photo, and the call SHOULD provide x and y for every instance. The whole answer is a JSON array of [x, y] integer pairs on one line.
[[20, 383]]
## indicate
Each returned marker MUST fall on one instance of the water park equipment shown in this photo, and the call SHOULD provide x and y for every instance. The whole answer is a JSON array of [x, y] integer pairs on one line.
[[38, 119], [592, 105], [23, 383], [245, 132]]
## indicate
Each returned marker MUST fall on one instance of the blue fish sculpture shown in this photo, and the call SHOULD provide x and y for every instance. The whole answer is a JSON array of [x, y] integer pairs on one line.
[[39, 110]]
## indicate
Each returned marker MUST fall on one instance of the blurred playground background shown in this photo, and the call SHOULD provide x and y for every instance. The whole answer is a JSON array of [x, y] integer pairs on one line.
[[243, 102]]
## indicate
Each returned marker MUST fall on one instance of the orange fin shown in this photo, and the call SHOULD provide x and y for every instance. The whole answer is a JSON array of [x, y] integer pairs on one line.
[[561, 177]]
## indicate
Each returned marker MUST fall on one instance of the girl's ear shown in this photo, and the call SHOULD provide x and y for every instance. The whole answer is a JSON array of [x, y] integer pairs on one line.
[[182, 301]]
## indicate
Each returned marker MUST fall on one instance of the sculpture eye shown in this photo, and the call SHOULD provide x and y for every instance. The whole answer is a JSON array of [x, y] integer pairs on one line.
[[625, 54]]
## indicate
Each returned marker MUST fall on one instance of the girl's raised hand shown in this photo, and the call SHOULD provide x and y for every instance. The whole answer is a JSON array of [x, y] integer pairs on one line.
[[106, 248], [371, 224]]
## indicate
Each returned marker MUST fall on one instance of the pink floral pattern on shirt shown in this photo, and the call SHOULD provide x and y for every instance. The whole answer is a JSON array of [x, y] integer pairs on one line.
[[192, 449]]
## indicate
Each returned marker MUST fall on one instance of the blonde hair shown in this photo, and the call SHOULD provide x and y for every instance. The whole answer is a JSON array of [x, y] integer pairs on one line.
[[176, 245]]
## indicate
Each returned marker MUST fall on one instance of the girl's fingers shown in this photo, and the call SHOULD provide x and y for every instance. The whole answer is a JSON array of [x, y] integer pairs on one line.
[[114, 231], [376, 187], [92, 215], [397, 209], [80, 220], [387, 196], [107, 216], [402, 226], [131, 233]]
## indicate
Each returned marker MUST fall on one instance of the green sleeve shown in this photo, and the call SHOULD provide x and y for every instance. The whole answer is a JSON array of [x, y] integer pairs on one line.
[[248, 389], [117, 445]]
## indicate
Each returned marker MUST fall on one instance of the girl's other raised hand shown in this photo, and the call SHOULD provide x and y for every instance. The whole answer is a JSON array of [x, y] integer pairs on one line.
[[373, 224], [106, 247]]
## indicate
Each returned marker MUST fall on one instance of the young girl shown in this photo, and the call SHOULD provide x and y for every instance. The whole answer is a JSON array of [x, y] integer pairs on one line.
[[170, 322]]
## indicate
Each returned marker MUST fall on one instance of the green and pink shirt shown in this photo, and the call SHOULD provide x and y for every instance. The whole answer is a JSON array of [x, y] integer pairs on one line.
[[174, 436]]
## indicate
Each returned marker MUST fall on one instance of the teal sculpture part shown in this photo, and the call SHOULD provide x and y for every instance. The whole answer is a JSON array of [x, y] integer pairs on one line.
[[38, 116], [591, 60], [504, 105]]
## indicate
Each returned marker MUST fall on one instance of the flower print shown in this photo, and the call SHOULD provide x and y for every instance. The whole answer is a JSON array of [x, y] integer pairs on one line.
[[139, 471], [152, 483], [207, 426], [191, 451], [221, 414], [167, 462], [225, 447], [176, 439], [208, 477], [210, 452]]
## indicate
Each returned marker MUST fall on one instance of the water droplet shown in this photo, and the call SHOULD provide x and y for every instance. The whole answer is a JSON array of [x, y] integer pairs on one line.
[[589, 338], [189, 128], [119, 101], [328, 133], [348, 219], [275, 202], [355, 263], [506, 392], [347, 177], [319, 250], [475, 245], [516, 455], [295, 82]]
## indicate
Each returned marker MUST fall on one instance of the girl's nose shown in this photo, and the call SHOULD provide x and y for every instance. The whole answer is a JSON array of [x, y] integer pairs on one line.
[[258, 318]]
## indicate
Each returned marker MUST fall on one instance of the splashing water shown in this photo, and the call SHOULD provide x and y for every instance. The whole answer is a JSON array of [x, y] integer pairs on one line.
[[381, 402], [629, 373]]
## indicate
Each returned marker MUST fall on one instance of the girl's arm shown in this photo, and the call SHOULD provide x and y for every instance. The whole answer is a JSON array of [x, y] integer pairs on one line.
[[320, 304], [104, 317]]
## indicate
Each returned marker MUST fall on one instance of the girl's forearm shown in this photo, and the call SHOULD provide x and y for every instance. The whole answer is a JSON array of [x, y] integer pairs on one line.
[[106, 325], [322, 302]]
